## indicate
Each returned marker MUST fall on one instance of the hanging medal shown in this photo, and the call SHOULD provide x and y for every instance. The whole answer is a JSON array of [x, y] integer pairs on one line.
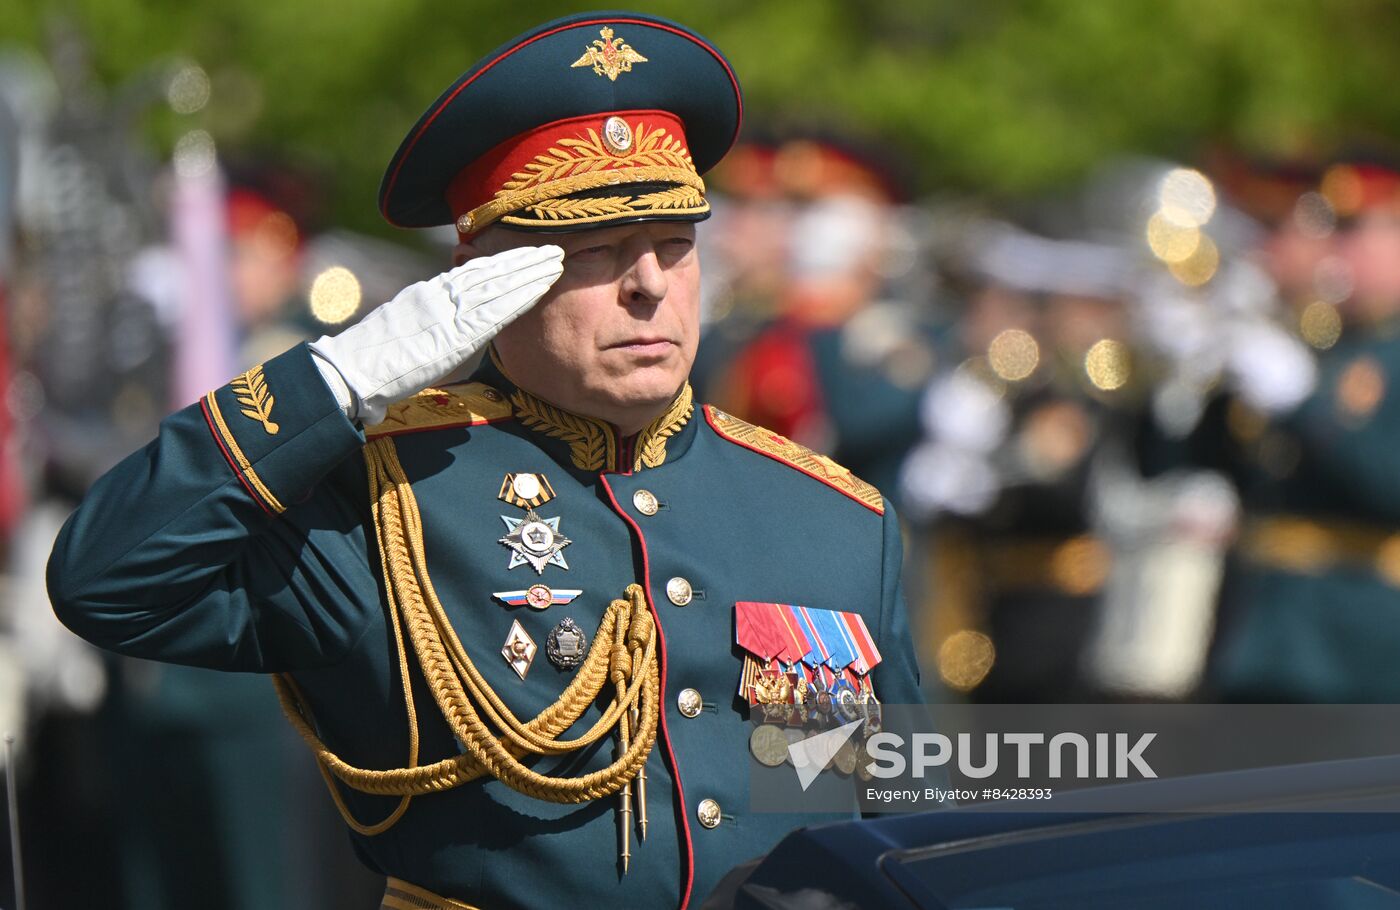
[[533, 540], [806, 666], [528, 491]]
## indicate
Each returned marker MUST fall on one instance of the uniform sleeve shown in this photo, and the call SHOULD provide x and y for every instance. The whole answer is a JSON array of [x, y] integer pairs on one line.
[[896, 678], [218, 544]]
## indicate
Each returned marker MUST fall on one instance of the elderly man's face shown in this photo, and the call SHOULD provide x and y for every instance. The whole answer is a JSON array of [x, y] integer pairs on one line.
[[616, 335]]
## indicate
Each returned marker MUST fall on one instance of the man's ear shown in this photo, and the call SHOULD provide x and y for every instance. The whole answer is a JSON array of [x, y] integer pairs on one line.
[[465, 251], [483, 243]]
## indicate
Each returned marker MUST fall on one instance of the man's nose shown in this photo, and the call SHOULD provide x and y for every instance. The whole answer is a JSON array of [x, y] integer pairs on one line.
[[645, 281]]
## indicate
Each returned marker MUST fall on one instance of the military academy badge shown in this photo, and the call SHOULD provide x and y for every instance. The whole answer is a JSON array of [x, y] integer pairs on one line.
[[519, 649]]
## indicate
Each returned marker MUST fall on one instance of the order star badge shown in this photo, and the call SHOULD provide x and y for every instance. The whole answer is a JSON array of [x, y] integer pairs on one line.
[[534, 540]]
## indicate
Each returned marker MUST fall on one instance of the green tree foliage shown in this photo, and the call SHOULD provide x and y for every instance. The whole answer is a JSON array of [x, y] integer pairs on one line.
[[1000, 96]]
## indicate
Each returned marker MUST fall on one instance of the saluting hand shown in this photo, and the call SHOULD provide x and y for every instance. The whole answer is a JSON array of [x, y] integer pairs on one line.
[[431, 328]]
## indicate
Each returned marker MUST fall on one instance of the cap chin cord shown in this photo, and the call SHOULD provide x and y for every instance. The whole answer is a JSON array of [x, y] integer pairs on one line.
[[623, 654]]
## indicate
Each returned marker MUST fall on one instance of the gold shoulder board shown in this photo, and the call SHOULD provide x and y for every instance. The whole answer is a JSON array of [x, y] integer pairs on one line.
[[780, 448], [466, 405]]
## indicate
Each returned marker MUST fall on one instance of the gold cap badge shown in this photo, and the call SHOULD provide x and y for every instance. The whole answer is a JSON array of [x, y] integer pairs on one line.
[[609, 56]]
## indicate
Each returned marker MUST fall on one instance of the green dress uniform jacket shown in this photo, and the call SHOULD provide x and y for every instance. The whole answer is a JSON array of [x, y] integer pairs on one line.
[[242, 538]]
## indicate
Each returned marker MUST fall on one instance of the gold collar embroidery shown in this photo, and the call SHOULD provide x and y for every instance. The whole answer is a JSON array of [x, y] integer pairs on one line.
[[594, 444], [651, 442]]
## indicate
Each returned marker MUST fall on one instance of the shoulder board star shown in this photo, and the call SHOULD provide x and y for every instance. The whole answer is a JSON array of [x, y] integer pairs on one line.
[[460, 405], [780, 448]]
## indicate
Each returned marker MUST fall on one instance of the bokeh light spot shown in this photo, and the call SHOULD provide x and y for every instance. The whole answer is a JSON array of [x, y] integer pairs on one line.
[[1342, 188], [277, 235], [1320, 325], [1171, 242], [1080, 565], [188, 90], [965, 658], [1186, 197], [194, 154], [1013, 354], [335, 295], [1108, 364], [1313, 215], [1200, 267]]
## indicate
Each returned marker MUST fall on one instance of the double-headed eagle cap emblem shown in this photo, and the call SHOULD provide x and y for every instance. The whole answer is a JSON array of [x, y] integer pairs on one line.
[[538, 96], [609, 56]]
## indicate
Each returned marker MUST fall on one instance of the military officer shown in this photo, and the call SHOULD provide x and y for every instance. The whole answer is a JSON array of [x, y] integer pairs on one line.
[[1004, 478], [840, 366], [1307, 609], [501, 611]]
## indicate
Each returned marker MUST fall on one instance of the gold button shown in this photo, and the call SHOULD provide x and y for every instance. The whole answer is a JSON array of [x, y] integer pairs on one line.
[[679, 591], [645, 502], [708, 813], [689, 702]]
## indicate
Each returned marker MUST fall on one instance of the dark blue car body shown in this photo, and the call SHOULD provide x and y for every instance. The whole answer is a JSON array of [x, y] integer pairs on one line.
[[1323, 835]]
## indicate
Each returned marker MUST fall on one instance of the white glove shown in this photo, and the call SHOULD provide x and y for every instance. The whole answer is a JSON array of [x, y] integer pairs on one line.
[[1273, 371], [431, 328]]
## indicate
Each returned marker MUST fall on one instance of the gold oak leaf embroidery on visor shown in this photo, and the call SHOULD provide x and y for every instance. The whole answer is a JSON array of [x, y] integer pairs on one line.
[[609, 56], [250, 390], [588, 162], [586, 155], [681, 197]]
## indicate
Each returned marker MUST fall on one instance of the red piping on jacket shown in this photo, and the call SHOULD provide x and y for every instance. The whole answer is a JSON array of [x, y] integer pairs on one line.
[[209, 421], [822, 480]]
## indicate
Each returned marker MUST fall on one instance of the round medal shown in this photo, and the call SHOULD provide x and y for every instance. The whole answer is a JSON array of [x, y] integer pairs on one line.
[[527, 486], [768, 745], [863, 764], [845, 759], [795, 757]]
